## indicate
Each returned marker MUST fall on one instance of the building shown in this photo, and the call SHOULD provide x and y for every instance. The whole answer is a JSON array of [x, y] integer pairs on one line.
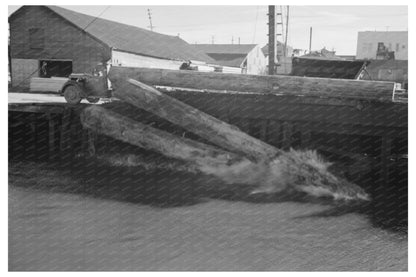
[[284, 62], [369, 43], [388, 70], [47, 41], [245, 58]]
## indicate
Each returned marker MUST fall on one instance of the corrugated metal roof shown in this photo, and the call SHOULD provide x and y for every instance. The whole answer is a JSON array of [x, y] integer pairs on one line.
[[133, 39], [225, 48]]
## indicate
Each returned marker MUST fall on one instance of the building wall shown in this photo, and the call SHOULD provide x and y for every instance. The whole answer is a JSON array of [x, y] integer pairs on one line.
[[395, 41], [119, 58], [61, 40], [256, 61], [284, 65], [23, 70]]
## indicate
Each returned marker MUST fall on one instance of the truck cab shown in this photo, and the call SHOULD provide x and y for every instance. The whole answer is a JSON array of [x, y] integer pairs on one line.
[[86, 86]]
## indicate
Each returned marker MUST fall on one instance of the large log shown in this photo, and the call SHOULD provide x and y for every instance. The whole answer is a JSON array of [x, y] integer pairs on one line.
[[114, 125], [301, 171], [192, 119], [278, 84]]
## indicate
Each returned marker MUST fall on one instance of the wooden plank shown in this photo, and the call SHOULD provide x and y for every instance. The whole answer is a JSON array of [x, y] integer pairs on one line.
[[287, 129], [125, 129], [277, 84], [30, 152], [64, 141], [305, 137], [275, 134], [47, 84], [386, 144], [51, 136], [38, 108], [195, 121]]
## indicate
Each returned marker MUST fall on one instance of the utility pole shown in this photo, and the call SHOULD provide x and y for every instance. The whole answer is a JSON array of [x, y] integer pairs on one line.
[[150, 20], [272, 39], [287, 31], [310, 39]]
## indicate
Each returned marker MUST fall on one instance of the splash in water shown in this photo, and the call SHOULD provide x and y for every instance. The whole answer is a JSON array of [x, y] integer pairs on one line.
[[296, 170]]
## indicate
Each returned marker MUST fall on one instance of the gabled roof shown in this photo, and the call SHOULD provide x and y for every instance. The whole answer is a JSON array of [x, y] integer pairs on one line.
[[233, 60], [225, 48], [130, 38]]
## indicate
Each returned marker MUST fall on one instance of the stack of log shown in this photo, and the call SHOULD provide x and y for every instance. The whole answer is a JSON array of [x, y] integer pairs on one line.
[[234, 156]]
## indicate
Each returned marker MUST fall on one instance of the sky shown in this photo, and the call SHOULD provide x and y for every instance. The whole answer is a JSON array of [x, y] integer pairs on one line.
[[334, 27]]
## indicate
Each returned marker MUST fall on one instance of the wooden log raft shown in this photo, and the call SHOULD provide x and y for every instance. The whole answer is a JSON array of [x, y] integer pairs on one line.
[[278, 84], [192, 119]]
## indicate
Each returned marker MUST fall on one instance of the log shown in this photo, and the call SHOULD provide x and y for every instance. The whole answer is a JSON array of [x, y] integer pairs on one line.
[[206, 126], [127, 130], [277, 84], [302, 171]]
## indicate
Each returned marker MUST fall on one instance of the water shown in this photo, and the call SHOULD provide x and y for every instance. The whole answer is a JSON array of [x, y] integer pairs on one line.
[[163, 220]]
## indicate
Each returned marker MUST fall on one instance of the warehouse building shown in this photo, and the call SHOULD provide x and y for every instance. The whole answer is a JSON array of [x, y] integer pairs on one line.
[[50, 41]]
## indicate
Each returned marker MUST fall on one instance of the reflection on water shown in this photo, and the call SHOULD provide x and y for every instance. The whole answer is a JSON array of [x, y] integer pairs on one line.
[[118, 219]]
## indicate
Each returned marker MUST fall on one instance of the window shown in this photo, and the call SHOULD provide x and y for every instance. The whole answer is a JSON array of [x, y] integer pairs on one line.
[[36, 38], [55, 68], [397, 47]]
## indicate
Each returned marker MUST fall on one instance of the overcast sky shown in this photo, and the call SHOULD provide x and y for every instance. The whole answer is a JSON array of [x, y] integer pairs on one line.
[[334, 27]]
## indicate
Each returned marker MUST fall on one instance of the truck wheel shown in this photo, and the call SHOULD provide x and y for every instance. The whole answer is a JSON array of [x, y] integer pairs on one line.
[[93, 99], [72, 93]]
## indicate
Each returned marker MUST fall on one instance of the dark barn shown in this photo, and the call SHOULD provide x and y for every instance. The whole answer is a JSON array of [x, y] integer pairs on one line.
[[49, 41]]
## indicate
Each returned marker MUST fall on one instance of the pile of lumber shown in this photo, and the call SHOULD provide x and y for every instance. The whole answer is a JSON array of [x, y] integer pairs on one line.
[[233, 156], [53, 84]]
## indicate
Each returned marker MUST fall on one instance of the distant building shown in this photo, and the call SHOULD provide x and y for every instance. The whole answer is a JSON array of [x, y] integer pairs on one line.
[[370, 42], [284, 62], [388, 70], [49, 41], [246, 58]]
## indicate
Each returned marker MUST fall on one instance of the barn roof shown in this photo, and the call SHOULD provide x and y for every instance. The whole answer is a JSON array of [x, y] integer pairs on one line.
[[132, 39], [226, 54], [225, 48]]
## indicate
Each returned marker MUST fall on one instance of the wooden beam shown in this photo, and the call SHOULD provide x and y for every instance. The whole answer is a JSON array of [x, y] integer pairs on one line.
[[51, 136], [127, 130], [282, 108], [208, 127], [278, 84], [65, 133]]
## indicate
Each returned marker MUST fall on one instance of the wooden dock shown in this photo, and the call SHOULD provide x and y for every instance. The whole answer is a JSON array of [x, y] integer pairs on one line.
[[370, 133]]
